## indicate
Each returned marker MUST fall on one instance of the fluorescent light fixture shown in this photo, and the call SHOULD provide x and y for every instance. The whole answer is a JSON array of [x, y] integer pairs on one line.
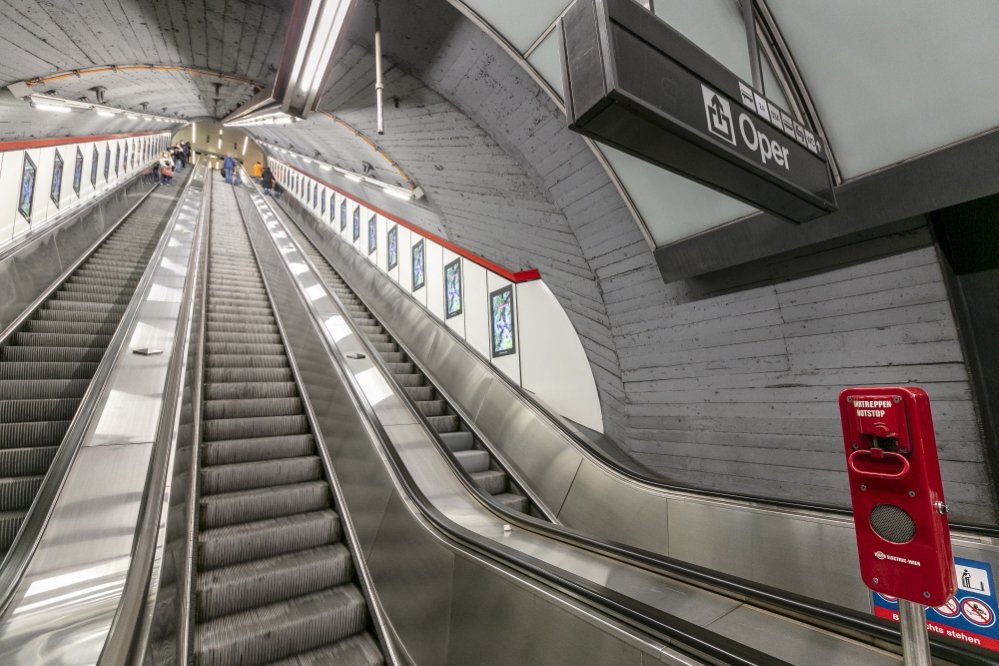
[[52, 107], [397, 193], [220, 144], [106, 114], [220, 132], [246, 141], [194, 132], [307, 160], [354, 177], [325, 167], [133, 117], [146, 118]]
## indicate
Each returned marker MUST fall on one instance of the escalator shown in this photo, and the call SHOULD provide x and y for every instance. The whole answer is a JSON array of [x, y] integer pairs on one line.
[[481, 464], [274, 578], [47, 364]]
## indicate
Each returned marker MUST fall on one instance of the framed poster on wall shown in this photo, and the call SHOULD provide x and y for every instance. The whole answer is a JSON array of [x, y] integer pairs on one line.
[[322, 202], [93, 167], [501, 320], [315, 196], [78, 172], [357, 222], [27, 191], [372, 234], [56, 192], [107, 161], [124, 160], [452, 289], [419, 272], [393, 247], [343, 215], [117, 158]]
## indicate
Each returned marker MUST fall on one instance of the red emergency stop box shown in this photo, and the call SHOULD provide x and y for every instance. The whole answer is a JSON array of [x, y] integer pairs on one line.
[[898, 503]]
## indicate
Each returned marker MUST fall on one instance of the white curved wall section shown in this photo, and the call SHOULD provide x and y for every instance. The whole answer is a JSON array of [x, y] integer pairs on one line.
[[549, 360], [44, 209]]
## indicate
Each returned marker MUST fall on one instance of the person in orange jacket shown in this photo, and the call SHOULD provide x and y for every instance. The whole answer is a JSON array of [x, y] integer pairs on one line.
[[258, 172]]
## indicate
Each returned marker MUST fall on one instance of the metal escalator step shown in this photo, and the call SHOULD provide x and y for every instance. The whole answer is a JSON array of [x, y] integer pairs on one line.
[[260, 448], [38, 433], [91, 317], [473, 460], [409, 380], [73, 327], [84, 306], [10, 522], [419, 393], [17, 492], [245, 428], [60, 340], [444, 423], [233, 544], [279, 630], [360, 650], [52, 354], [115, 290], [393, 357], [242, 361], [249, 391], [234, 327], [385, 346], [243, 349], [491, 481], [515, 502], [432, 407], [76, 297], [241, 310], [40, 370], [23, 411], [379, 337], [214, 335], [260, 474], [248, 408], [401, 368], [215, 319], [458, 440], [252, 505], [371, 330], [239, 587], [27, 389], [221, 374], [30, 461]]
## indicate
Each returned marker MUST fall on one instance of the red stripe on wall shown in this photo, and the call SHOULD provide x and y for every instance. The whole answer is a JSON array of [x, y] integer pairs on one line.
[[65, 141], [520, 276]]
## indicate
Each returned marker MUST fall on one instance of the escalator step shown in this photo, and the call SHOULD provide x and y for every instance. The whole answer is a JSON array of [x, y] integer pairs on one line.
[[30, 461], [22, 411], [251, 505], [236, 374], [515, 502], [444, 423], [250, 391], [10, 522], [236, 588], [358, 650], [458, 440], [251, 407], [419, 393], [260, 474], [29, 389], [17, 492], [39, 433], [264, 426], [265, 538], [473, 460], [259, 448], [282, 629], [233, 360], [19, 370], [491, 481], [51, 354]]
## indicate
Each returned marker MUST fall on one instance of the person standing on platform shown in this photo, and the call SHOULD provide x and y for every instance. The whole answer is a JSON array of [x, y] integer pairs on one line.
[[267, 180], [258, 171], [178, 157], [228, 166]]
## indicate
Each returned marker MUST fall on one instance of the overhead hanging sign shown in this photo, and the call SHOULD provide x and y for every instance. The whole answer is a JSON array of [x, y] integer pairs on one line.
[[633, 82]]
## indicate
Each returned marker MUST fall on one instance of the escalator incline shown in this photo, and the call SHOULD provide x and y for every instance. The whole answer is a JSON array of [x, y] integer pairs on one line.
[[275, 581], [47, 365]]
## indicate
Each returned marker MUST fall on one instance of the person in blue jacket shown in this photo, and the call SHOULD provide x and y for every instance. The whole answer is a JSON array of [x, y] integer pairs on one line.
[[228, 166]]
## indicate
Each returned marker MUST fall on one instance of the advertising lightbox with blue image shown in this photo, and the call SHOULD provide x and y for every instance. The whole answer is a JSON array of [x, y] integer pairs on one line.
[[78, 172], [93, 167], [419, 272], [357, 222], [372, 234], [107, 161], [501, 319], [56, 192], [343, 215], [393, 247], [27, 191], [452, 289]]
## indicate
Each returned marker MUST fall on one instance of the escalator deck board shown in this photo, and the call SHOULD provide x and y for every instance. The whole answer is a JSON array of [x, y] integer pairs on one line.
[[274, 578]]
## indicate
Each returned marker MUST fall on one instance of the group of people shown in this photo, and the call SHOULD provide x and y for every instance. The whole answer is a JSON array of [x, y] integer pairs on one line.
[[171, 162]]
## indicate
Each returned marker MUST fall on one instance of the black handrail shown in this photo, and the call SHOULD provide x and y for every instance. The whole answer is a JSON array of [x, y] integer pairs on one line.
[[855, 624]]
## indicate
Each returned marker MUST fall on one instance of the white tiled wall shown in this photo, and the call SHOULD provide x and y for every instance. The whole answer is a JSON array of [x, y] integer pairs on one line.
[[44, 209]]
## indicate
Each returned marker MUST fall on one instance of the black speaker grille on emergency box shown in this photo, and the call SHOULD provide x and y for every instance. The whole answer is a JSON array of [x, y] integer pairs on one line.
[[892, 523]]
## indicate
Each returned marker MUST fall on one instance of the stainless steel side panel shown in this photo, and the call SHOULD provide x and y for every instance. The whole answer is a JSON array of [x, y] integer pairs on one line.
[[800, 551], [30, 266]]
